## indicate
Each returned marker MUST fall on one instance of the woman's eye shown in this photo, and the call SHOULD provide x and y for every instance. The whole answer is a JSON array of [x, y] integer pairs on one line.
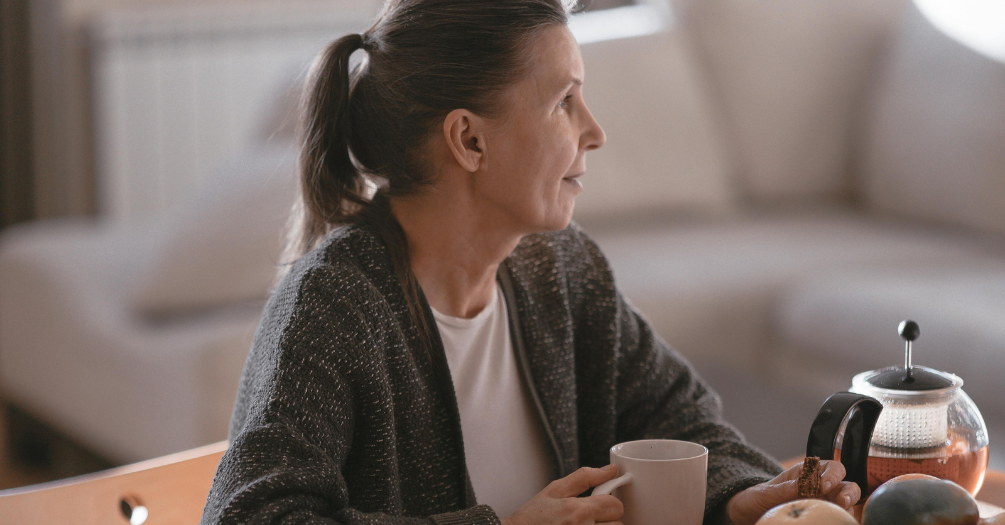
[[565, 102]]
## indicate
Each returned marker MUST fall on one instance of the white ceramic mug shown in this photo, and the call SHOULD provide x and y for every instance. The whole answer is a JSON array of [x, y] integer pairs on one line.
[[661, 482]]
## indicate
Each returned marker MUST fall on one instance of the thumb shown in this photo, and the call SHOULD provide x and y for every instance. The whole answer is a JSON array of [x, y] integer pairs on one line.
[[765, 497], [749, 505]]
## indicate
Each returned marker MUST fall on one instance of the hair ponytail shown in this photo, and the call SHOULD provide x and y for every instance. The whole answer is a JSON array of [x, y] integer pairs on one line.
[[331, 187]]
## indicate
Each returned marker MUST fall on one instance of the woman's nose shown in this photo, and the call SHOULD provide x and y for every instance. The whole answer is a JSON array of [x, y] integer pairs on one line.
[[593, 135]]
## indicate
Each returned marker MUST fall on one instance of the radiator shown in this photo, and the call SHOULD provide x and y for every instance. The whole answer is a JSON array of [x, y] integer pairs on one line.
[[176, 91]]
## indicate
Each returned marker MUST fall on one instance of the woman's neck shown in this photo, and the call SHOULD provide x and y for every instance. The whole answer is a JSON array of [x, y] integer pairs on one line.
[[454, 250]]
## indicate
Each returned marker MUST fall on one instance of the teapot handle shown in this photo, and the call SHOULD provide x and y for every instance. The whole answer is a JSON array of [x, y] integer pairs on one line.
[[857, 434]]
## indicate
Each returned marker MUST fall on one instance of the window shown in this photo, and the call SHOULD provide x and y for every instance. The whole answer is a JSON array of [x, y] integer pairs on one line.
[[598, 5], [614, 19]]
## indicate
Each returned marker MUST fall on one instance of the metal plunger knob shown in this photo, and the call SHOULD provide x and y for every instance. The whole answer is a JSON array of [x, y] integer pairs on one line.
[[909, 331]]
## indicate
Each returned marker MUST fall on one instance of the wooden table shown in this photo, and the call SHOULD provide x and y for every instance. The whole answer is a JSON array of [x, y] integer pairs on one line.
[[993, 490]]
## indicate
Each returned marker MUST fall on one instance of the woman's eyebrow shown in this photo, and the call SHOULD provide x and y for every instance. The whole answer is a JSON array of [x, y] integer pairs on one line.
[[568, 83], [571, 81]]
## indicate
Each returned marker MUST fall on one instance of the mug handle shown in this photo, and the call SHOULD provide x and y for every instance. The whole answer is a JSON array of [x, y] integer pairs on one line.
[[608, 486]]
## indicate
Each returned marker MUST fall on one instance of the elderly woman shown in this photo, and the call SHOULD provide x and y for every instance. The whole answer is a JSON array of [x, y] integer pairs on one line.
[[446, 346]]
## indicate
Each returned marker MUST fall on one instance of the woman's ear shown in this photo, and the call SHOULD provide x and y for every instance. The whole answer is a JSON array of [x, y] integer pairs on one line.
[[464, 133]]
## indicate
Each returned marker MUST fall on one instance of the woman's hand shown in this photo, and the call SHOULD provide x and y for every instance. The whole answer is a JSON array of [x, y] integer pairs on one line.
[[747, 507], [558, 503]]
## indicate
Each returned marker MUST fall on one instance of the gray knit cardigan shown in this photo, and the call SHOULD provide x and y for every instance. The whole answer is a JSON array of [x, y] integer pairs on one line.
[[343, 416]]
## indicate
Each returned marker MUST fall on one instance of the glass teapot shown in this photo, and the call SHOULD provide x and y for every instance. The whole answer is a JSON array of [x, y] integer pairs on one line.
[[902, 420]]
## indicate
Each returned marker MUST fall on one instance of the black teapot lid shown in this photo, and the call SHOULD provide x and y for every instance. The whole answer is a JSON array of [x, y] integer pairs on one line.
[[910, 377], [920, 379]]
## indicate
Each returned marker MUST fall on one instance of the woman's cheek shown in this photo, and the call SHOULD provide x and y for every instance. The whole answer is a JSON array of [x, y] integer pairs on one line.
[[564, 147]]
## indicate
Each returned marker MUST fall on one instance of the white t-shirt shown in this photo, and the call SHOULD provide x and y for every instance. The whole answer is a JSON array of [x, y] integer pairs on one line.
[[504, 442]]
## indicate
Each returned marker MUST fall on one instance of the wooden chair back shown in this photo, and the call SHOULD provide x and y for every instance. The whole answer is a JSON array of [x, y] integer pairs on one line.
[[168, 490]]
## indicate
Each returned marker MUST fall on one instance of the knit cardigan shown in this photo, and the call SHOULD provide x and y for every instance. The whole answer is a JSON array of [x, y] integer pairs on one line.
[[344, 416]]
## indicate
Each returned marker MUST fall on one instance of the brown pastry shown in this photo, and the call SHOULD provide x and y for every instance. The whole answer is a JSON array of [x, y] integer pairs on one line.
[[809, 478]]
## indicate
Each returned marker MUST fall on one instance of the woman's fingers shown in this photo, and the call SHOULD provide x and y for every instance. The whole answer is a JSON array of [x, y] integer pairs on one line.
[[580, 481], [833, 473], [763, 497], [749, 505], [846, 494], [558, 502], [746, 507], [779, 493], [605, 507]]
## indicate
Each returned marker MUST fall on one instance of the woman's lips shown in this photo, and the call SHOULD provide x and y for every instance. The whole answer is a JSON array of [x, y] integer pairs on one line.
[[574, 179]]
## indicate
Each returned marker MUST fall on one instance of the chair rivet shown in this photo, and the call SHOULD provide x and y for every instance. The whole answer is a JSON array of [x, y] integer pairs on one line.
[[133, 510]]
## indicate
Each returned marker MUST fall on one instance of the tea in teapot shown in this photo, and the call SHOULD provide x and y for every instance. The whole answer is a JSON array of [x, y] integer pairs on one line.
[[901, 420]]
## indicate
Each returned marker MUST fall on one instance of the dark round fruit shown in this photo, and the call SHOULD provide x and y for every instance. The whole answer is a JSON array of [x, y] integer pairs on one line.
[[920, 502]]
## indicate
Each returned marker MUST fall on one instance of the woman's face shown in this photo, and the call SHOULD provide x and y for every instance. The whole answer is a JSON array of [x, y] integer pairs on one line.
[[536, 152]]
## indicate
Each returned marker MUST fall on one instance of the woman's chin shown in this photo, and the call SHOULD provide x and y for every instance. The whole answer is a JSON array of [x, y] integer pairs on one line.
[[571, 188], [559, 220], [551, 214]]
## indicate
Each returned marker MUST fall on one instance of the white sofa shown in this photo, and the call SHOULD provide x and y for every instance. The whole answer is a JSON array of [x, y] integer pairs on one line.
[[131, 339], [783, 182], [868, 186]]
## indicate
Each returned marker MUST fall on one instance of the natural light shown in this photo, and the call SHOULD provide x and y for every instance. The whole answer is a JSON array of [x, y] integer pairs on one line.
[[620, 22], [978, 24]]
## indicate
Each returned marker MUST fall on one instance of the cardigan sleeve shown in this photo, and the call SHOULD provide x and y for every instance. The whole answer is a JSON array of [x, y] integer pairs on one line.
[[661, 396], [293, 423], [658, 393]]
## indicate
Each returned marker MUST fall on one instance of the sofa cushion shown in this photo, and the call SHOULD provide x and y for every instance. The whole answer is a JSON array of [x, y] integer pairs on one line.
[[791, 76], [934, 143], [74, 354], [84, 255], [848, 320], [663, 149], [223, 245], [710, 287]]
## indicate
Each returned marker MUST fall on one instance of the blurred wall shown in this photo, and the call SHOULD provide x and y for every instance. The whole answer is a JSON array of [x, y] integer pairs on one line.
[[16, 198]]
